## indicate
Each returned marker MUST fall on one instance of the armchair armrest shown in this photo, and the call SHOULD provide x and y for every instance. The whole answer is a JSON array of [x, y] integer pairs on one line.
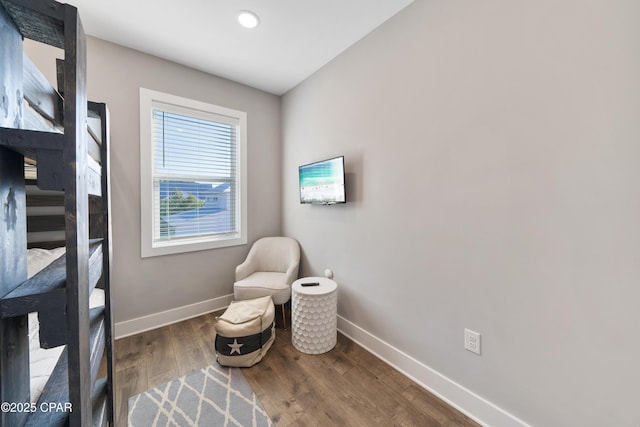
[[245, 269], [292, 273]]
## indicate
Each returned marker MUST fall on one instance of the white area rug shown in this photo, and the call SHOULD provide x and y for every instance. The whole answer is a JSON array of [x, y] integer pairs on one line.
[[212, 396]]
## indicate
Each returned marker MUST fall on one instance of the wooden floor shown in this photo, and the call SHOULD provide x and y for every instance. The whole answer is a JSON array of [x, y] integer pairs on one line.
[[346, 386]]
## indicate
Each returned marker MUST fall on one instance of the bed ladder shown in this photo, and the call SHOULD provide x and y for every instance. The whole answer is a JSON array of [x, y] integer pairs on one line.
[[73, 395]]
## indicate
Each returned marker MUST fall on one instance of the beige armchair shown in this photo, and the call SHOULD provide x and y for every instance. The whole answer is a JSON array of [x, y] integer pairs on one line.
[[270, 269]]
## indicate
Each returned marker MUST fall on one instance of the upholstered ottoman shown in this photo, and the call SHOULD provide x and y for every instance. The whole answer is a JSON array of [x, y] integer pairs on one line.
[[245, 332]]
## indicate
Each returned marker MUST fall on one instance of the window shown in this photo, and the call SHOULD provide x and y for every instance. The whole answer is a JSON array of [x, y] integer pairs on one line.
[[193, 175]]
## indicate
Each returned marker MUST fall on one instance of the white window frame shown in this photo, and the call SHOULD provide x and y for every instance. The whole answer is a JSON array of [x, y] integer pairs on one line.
[[149, 248]]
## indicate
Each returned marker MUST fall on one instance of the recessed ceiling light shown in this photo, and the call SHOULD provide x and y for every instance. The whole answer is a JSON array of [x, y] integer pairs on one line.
[[248, 19]]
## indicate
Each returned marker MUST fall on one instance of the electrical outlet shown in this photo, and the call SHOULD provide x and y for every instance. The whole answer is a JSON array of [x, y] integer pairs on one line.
[[472, 341]]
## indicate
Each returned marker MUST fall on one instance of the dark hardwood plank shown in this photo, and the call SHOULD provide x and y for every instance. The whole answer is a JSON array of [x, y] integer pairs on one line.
[[434, 407], [205, 333], [162, 365], [130, 352], [279, 378], [189, 354], [357, 385], [130, 381]]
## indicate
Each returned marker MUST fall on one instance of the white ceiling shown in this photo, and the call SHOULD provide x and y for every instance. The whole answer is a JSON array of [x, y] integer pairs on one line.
[[294, 39]]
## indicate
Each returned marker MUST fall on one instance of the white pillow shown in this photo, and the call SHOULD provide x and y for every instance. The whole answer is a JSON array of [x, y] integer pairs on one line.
[[43, 361]]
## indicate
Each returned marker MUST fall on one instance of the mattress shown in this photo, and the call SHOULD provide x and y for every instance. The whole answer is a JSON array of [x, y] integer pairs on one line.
[[42, 361]]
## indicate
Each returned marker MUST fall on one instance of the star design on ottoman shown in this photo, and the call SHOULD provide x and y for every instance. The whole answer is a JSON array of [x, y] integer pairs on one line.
[[235, 347], [241, 346]]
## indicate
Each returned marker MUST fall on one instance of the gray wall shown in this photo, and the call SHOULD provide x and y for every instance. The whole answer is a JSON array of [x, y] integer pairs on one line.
[[492, 153], [151, 285]]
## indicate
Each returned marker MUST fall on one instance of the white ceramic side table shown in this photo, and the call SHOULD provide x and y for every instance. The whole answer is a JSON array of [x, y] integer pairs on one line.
[[314, 315]]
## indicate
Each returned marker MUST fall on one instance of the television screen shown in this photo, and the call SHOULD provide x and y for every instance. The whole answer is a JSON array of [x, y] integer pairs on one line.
[[323, 182]]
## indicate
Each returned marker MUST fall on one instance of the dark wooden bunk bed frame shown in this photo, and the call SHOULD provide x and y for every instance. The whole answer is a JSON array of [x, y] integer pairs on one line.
[[63, 150]]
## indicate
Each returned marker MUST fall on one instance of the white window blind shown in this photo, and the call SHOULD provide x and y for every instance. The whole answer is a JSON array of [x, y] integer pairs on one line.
[[195, 175]]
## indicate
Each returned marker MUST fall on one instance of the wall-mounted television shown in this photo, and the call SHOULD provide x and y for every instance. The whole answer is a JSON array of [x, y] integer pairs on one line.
[[322, 182]]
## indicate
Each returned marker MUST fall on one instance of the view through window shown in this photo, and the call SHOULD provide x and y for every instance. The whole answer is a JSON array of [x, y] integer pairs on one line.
[[194, 174]]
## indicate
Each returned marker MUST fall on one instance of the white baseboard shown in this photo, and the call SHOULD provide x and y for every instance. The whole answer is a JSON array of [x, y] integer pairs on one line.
[[472, 405], [163, 318]]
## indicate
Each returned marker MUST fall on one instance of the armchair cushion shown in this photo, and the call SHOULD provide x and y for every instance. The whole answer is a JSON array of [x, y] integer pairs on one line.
[[263, 282]]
